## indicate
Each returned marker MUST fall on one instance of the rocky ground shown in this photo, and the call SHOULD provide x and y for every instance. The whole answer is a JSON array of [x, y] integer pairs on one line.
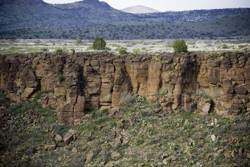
[[136, 135]]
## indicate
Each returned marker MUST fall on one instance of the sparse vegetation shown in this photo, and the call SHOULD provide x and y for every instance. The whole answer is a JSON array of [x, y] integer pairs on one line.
[[183, 139], [99, 44], [78, 41], [152, 46], [59, 51], [133, 103], [61, 77], [180, 46], [137, 134], [32, 104], [136, 51], [203, 94], [45, 50], [122, 51], [163, 92], [73, 51], [224, 46]]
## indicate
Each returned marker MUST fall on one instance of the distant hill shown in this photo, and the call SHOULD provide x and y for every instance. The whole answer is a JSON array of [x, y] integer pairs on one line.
[[90, 18], [140, 10]]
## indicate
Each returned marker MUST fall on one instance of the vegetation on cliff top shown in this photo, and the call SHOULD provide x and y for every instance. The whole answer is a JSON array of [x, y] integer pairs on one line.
[[180, 46], [99, 44], [121, 47]]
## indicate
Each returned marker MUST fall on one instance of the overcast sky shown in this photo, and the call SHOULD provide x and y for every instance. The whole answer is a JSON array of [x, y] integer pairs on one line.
[[174, 5]]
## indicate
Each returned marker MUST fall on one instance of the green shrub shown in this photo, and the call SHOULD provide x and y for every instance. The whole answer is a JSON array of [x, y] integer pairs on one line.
[[131, 103], [163, 92], [122, 51], [107, 49], [45, 50], [59, 51], [225, 46], [127, 99], [22, 107], [35, 105], [61, 77], [180, 46], [72, 51], [99, 44], [203, 95], [136, 51]]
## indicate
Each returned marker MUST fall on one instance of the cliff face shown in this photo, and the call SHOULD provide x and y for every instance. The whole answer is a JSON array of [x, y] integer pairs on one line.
[[193, 82]]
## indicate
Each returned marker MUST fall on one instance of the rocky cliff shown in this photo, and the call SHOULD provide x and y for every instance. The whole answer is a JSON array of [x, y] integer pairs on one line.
[[200, 82]]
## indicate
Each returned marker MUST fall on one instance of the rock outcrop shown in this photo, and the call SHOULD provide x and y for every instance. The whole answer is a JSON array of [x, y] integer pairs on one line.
[[201, 82]]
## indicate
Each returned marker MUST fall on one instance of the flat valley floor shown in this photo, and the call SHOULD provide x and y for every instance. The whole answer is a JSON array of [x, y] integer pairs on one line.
[[132, 46]]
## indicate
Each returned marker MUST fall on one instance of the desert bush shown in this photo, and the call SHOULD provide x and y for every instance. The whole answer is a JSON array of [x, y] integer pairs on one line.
[[122, 50], [34, 105], [107, 49], [163, 92], [59, 51], [127, 99], [45, 50], [99, 44], [61, 77], [242, 46], [225, 46], [131, 103], [136, 51], [22, 107], [72, 51], [203, 95], [180, 46]]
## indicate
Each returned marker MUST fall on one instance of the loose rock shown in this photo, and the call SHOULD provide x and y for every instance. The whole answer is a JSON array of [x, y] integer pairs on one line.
[[69, 136]]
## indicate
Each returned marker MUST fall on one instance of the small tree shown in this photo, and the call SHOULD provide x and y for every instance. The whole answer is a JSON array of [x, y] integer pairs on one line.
[[99, 44], [180, 46]]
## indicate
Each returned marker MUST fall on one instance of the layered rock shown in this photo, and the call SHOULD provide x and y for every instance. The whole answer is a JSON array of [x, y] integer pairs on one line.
[[73, 84]]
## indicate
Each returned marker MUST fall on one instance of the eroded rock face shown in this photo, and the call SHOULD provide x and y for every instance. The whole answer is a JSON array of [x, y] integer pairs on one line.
[[73, 83]]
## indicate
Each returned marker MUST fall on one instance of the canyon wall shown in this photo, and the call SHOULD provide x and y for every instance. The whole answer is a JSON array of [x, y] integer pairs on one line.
[[200, 82]]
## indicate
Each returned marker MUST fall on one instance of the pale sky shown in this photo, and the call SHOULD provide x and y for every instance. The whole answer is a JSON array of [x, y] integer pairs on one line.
[[172, 5]]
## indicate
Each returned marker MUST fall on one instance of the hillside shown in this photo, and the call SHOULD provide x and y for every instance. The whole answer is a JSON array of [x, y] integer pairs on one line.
[[90, 18]]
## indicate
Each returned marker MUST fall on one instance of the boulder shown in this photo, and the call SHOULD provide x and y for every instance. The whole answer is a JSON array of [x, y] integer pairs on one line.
[[69, 136], [59, 91], [206, 108], [90, 156], [58, 138], [49, 147], [27, 93], [115, 155]]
